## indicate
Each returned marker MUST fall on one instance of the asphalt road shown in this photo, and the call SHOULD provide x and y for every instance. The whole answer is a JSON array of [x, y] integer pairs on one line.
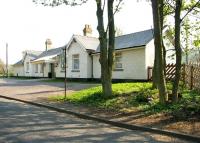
[[21, 123], [35, 89]]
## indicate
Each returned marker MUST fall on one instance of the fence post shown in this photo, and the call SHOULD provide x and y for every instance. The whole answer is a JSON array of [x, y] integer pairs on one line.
[[191, 77], [149, 73]]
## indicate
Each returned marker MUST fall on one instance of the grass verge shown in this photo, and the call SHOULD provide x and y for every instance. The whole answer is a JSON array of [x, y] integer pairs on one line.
[[128, 97]]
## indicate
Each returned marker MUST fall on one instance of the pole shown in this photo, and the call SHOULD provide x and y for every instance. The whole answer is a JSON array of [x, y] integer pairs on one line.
[[7, 60], [65, 66]]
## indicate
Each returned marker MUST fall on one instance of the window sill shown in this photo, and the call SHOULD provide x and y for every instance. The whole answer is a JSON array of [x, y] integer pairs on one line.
[[63, 71], [118, 69], [75, 70]]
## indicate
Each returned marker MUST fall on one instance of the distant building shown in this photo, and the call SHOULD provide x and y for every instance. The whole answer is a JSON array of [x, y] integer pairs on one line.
[[134, 53]]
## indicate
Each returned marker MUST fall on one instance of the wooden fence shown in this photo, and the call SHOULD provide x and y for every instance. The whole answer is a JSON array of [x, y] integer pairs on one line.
[[190, 74]]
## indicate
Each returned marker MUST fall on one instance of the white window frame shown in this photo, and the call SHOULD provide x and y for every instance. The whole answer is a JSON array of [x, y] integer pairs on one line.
[[76, 58], [118, 61], [62, 61]]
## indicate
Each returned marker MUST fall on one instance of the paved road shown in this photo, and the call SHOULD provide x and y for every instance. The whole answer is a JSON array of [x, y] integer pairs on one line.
[[21, 123], [35, 89]]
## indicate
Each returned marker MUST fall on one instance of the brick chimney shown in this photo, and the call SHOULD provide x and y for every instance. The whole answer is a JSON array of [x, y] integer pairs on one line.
[[48, 44], [87, 31]]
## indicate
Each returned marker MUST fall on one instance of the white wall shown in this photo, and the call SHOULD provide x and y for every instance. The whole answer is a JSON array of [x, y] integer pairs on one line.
[[30, 72], [37, 73], [150, 54], [18, 70], [46, 69], [84, 62], [58, 70], [133, 62]]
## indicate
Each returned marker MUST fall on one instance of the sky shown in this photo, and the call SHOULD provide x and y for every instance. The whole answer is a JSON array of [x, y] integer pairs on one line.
[[25, 25]]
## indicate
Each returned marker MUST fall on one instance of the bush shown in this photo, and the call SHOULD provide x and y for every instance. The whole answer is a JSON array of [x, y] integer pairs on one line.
[[141, 98], [145, 95]]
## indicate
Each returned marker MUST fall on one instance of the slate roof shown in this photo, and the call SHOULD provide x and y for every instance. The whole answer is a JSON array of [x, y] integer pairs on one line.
[[90, 43], [33, 54], [54, 51], [132, 40], [19, 63]]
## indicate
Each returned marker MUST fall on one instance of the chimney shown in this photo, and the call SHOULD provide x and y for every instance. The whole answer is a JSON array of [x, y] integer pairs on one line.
[[87, 31], [24, 53], [48, 44]]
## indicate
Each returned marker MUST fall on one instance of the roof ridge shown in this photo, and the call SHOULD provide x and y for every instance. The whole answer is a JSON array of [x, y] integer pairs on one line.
[[134, 33], [86, 36]]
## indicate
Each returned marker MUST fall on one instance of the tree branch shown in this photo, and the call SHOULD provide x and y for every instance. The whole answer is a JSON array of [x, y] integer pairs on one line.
[[198, 2], [117, 7]]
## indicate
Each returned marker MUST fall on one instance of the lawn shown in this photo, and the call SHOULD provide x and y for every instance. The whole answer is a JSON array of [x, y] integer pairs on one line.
[[128, 97]]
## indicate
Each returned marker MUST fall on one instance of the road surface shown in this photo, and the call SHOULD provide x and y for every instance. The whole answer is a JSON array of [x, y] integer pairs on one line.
[[22, 123]]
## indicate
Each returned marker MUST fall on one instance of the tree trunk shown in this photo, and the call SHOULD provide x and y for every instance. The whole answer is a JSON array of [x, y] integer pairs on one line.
[[154, 75], [178, 50], [106, 50], [161, 83], [161, 16], [111, 44]]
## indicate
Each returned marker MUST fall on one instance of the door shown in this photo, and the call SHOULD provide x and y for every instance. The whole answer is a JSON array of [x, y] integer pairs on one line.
[[52, 71]]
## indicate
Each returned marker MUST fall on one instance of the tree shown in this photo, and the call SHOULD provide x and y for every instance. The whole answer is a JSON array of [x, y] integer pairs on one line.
[[177, 49], [2, 67], [159, 58], [106, 35]]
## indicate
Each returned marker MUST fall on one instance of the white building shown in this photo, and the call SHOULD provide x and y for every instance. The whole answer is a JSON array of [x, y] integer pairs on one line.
[[133, 54]]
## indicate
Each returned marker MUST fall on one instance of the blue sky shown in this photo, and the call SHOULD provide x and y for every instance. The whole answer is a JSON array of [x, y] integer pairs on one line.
[[26, 26]]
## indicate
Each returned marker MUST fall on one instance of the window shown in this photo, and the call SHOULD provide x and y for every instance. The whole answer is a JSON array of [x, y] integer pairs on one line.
[[118, 61], [41, 68], [62, 61], [27, 66], [75, 62], [36, 68]]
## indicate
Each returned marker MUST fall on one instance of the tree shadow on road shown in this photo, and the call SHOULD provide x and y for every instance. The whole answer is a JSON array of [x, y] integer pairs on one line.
[[21, 123]]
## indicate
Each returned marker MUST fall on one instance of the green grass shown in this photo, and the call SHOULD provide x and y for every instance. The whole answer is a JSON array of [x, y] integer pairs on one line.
[[123, 96], [133, 97]]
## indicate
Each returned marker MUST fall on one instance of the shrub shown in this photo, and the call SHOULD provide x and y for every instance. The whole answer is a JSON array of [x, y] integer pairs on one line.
[[144, 95]]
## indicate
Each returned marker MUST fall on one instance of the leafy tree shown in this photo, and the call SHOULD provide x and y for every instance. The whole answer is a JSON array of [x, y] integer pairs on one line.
[[106, 35], [177, 49], [178, 7]]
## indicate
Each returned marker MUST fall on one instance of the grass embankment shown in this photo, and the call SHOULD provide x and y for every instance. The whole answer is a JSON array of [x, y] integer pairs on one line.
[[128, 97]]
